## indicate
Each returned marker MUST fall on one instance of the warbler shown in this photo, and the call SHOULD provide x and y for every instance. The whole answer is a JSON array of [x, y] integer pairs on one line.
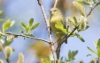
[[57, 19], [57, 25]]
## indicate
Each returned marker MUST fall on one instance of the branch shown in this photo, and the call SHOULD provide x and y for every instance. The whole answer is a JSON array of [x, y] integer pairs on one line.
[[10, 33], [2, 48], [72, 32], [46, 20], [48, 29], [92, 8], [55, 3]]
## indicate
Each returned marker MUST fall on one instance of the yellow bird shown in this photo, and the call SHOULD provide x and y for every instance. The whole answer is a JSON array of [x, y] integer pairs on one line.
[[57, 18], [57, 25]]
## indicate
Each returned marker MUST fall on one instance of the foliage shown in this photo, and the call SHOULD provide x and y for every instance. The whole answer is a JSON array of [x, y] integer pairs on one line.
[[79, 24]]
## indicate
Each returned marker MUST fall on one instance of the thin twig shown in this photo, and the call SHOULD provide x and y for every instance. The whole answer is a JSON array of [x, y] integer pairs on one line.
[[27, 36], [72, 32], [92, 8], [48, 29], [2, 48], [56, 1]]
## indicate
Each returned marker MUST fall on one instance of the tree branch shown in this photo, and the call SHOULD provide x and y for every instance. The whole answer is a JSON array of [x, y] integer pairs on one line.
[[56, 1], [92, 8], [10, 33], [48, 29], [72, 32]]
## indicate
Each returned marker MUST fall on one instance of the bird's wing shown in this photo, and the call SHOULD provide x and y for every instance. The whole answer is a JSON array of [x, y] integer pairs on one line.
[[63, 22]]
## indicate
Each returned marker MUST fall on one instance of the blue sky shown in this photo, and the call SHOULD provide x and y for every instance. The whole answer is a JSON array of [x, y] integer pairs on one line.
[[23, 10]]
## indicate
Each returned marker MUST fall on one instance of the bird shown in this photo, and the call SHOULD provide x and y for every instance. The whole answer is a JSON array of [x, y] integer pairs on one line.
[[58, 26]]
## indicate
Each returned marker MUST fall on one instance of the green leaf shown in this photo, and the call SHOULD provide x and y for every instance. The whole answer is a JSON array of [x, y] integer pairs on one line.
[[7, 43], [76, 23], [74, 53], [78, 36], [89, 55], [69, 55], [87, 27], [83, 2], [98, 47], [27, 29], [98, 51], [98, 43], [6, 25], [35, 26], [91, 50], [23, 25], [31, 21]]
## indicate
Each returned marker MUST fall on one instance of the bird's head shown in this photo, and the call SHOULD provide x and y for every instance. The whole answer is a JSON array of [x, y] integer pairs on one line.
[[55, 11]]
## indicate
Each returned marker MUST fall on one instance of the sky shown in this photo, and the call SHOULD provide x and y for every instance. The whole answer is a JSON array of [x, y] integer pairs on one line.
[[23, 10]]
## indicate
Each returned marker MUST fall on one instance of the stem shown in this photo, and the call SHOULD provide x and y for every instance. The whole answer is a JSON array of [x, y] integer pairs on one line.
[[72, 31], [92, 8], [49, 31], [27, 36], [55, 3]]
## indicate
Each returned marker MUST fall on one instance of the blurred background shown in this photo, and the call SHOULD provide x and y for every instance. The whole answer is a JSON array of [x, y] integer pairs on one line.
[[23, 10]]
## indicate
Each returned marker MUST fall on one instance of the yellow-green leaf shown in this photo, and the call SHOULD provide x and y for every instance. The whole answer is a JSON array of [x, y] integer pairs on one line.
[[23, 25], [31, 21], [98, 43], [35, 26], [6, 25], [69, 55], [78, 36], [74, 53], [83, 2], [76, 23], [98, 51], [91, 50]]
